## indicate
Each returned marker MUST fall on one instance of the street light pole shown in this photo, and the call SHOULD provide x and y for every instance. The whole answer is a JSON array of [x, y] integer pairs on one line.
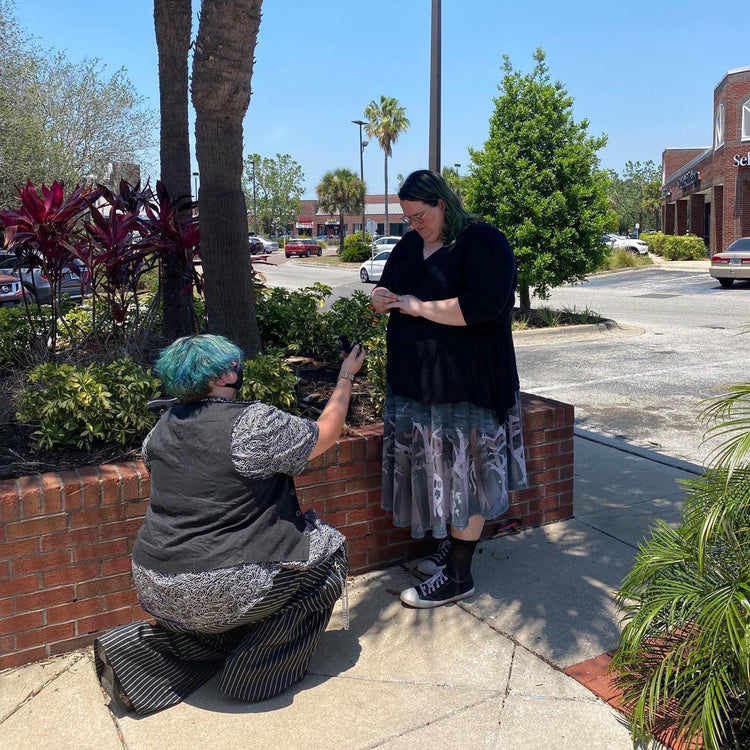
[[255, 207], [434, 156], [195, 182], [362, 145]]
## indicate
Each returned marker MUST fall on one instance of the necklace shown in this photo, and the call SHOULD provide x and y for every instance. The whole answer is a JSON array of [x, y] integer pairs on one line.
[[217, 400]]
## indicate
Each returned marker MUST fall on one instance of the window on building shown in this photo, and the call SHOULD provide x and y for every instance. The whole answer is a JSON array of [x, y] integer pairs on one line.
[[746, 121], [719, 128]]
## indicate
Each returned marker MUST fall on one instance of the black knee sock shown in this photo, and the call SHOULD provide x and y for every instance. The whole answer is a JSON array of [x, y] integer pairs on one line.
[[459, 561]]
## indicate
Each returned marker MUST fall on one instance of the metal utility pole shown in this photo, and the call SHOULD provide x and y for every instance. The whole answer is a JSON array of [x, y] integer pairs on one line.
[[435, 62], [362, 145]]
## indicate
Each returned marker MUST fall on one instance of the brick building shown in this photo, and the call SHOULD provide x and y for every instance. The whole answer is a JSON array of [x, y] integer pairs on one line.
[[706, 191], [313, 221]]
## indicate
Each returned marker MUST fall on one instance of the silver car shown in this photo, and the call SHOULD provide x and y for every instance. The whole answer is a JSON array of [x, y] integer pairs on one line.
[[75, 282], [733, 263], [269, 246], [372, 269]]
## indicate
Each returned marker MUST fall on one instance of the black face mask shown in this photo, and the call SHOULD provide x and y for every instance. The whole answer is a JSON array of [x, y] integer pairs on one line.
[[240, 377]]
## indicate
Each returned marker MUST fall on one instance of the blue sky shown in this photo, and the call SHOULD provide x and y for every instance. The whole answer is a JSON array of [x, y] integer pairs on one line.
[[642, 72]]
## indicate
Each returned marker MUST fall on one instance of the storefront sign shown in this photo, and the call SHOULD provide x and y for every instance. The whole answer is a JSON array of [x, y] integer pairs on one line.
[[742, 161], [689, 178]]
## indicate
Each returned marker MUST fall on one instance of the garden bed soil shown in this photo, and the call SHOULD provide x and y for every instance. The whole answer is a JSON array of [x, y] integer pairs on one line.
[[19, 454]]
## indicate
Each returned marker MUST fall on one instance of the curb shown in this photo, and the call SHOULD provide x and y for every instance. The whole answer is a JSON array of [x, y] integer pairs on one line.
[[635, 450], [585, 331]]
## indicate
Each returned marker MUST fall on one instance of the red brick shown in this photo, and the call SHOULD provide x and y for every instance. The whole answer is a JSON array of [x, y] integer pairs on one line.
[[8, 606], [368, 513], [36, 526], [4, 571], [42, 636], [337, 519], [364, 544], [319, 462], [528, 494], [557, 461], [358, 562], [71, 574], [51, 493], [322, 491], [104, 621], [31, 496], [371, 482], [378, 525], [19, 658], [9, 506], [558, 514], [346, 502], [71, 644], [21, 585], [121, 529], [110, 484], [395, 536], [354, 530], [333, 473], [101, 586], [532, 520], [21, 622], [92, 493], [538, 419], [544, 477], [38, 563], [382, 555], [558, 433], [75, 611], [21, 548], [100, 550], [45, 598], [543, 450], [116, 565], [374, 496], [121, 599], [95, 516], [310, 478], [548, 503], [72, 491], [130, 481], [71, 538]]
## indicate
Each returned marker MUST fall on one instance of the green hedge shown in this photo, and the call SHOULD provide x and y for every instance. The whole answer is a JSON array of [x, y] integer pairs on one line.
[[675, 247]]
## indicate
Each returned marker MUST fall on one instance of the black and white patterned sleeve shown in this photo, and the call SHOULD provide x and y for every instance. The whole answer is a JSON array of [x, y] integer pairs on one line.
[[268, 441]]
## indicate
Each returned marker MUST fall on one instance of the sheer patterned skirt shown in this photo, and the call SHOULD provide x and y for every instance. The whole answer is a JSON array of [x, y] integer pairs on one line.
[[443, 463]]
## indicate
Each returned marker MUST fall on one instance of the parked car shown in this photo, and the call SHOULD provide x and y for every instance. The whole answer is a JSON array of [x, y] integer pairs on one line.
[[384, 243], [269, 246], [733, 263], [255, 246], [302, 247], [75, 283], [11, 290], [618, 242], [372, 270]]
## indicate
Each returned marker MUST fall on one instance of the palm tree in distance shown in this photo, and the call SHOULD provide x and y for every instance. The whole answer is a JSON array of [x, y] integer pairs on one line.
[[385, 122], [342, 192]]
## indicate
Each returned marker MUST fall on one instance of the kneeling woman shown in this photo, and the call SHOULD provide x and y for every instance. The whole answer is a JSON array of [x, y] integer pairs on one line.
[[239, 580]]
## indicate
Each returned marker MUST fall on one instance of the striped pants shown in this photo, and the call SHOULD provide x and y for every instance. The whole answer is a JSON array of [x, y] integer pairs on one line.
[[259, 656]]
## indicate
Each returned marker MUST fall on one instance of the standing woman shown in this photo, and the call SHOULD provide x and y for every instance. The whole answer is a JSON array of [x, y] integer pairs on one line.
[[452, 446]]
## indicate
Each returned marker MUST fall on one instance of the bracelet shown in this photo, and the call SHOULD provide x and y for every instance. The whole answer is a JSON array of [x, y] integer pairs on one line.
[[344, 375]]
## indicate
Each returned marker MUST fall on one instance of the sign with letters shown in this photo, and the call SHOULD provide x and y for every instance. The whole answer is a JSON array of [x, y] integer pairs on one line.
[[742, 161], [689, 178]]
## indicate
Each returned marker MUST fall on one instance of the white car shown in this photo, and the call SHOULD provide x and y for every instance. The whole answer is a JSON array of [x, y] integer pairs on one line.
[[269, 246], [384, 243], [618, 242], [372, 270]]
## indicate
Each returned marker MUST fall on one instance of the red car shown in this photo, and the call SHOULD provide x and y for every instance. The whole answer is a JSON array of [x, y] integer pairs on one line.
[[11, 290], [303, 248]]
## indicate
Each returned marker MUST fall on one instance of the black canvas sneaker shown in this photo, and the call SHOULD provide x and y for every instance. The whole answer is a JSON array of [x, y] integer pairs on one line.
[[437, 560], [440, 589]]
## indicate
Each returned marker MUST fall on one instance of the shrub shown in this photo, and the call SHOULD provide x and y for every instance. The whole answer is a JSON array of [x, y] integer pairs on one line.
[[655, 241], [269, 378], [290, 320], [19, 337], [349, 316], [375, 364], [356, 251], [688, 247], [623, 259], [82, 407]]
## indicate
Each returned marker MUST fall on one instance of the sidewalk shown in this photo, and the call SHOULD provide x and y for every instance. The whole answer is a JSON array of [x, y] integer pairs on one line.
[[485, 673]]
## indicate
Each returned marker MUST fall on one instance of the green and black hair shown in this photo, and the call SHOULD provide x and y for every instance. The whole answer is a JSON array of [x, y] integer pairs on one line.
[[427, 187]]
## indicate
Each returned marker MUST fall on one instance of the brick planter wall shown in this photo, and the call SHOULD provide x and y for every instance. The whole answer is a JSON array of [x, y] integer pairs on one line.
[[66, 538]]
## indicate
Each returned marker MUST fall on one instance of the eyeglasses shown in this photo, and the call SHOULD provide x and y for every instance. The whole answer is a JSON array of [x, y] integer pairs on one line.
[[416, 219]]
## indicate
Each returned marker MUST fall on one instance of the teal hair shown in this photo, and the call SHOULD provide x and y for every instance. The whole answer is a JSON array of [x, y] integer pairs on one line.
[[427, 187], [187, 365]]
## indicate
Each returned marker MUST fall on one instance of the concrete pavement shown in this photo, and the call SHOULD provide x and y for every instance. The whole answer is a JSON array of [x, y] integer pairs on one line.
[[485, 673]]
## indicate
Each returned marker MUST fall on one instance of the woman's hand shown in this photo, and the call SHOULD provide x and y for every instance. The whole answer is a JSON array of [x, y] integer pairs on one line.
[[354, 360], [407, 304], [380, 298]]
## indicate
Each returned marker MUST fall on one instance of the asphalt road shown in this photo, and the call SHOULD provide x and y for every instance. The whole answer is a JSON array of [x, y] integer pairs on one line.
[[679, 338]]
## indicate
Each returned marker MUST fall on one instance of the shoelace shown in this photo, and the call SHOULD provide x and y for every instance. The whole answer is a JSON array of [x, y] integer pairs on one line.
[[429, 587]]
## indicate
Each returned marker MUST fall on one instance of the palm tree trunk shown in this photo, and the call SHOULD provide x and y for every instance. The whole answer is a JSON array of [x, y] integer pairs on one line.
[[222, 70], [386, 228], [172, 23]]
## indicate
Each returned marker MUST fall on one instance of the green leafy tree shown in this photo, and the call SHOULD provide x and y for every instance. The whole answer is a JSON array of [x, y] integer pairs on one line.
[[342, 192], [62, 120], [636, 196], [386, 120], [538, 180], [277, 191], [456, 182]]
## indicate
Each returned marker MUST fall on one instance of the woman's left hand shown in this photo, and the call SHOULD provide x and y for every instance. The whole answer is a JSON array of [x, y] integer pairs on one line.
[[407, 304]]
